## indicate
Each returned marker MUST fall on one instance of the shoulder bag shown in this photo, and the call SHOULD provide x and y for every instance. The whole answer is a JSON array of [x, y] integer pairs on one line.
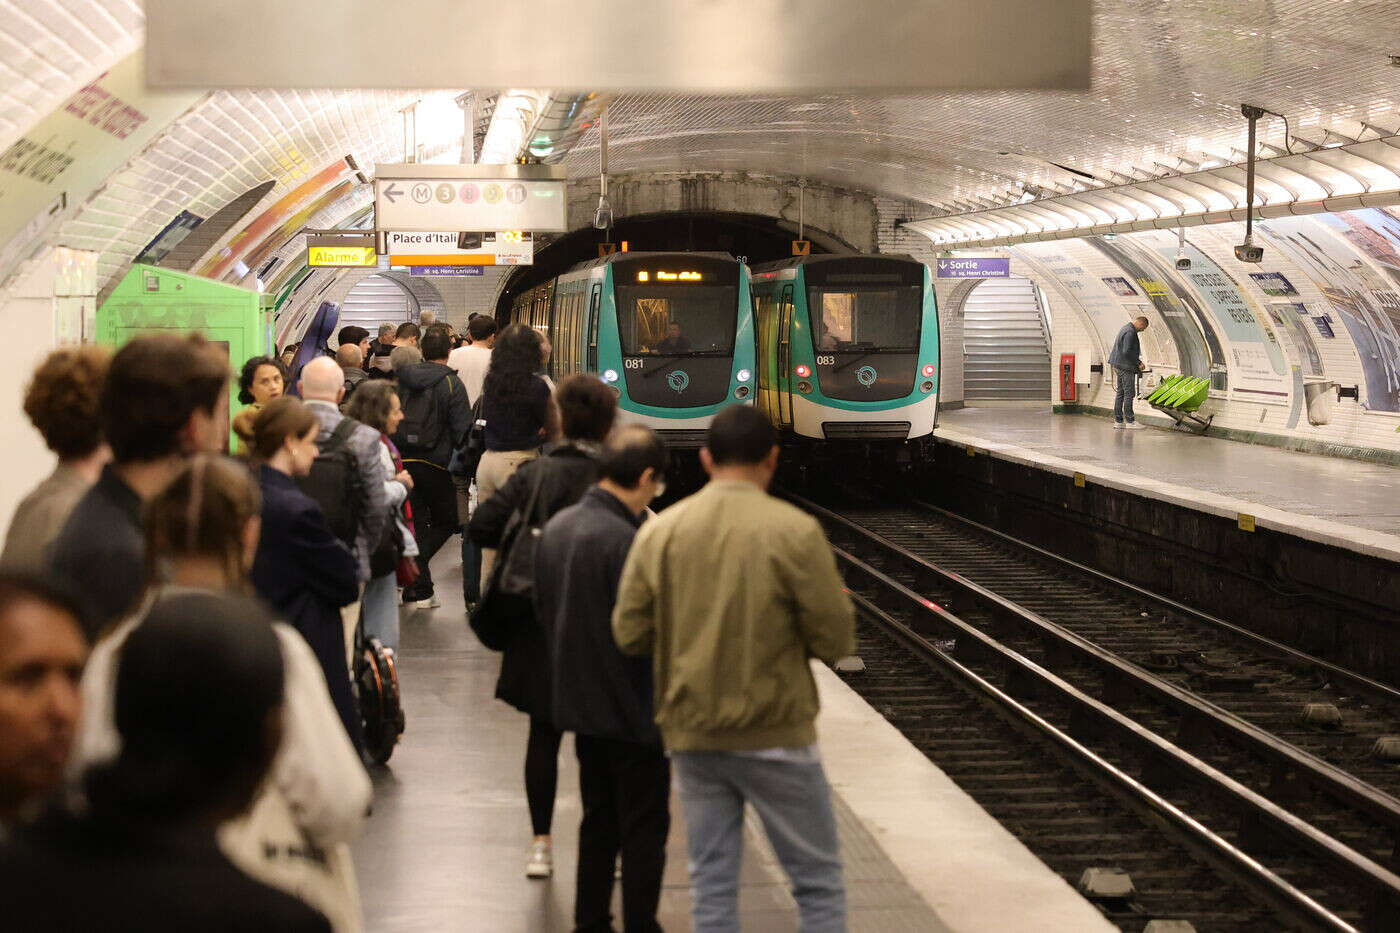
[[510, 590]]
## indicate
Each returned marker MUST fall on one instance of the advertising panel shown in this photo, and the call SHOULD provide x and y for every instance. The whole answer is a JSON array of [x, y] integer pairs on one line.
[[1256, 361], [64, 158], [1362, 297]]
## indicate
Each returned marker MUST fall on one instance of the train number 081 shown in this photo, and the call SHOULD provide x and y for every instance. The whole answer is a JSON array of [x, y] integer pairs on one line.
[[633, 364]]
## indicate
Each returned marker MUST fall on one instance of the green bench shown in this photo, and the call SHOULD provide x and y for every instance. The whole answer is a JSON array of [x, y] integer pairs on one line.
[[1180, 399]]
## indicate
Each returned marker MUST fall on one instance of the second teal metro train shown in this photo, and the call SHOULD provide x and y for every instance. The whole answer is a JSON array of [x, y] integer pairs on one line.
[[848, 347], [671, 333]]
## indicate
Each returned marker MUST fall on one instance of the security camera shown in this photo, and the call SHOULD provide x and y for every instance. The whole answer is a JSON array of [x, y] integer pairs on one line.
[[1248, 252], [603, 216], [1182, 263]]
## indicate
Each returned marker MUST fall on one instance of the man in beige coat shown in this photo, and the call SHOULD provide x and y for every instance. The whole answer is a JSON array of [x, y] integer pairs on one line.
[[732, 592]]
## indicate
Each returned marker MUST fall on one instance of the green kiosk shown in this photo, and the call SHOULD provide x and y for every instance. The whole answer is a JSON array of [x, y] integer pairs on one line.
[[153, 300]]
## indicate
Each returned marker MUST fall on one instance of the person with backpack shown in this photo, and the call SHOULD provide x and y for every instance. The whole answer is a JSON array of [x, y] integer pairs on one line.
[[436, 416], [529, 498], [347, 478], [302, 570]]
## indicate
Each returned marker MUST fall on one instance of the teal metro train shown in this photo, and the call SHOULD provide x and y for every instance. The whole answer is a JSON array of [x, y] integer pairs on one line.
[[839, 348]]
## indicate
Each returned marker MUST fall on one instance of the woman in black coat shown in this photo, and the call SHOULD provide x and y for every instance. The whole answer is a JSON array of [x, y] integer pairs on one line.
[[302, 569], [587, 409]]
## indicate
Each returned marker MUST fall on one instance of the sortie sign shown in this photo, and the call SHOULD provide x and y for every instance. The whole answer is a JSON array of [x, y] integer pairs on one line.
[[975, 267]]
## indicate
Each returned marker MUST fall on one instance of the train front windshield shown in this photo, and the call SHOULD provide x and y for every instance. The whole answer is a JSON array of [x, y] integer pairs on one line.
[[864, 319], [677, 309]]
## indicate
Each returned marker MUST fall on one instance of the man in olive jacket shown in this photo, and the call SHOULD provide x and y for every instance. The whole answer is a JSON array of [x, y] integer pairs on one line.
[[732, 592]]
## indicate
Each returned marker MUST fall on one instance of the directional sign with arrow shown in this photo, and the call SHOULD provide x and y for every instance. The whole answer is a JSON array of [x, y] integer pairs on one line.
[[450, 198]]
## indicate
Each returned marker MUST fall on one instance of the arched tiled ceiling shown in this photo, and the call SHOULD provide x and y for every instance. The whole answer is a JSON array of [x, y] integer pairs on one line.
[[1168, 79], [1168, 82], [50, 48]]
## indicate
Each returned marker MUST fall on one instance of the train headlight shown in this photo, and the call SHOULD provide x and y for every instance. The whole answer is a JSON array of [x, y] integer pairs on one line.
[[744, 375], [803, 370], [929, 370], [741, 392], [926, 386], [610, 376], [804, 387]]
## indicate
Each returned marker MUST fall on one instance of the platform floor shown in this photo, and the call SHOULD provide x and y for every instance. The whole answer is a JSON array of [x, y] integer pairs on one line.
[[445, 848], [1351, 503]]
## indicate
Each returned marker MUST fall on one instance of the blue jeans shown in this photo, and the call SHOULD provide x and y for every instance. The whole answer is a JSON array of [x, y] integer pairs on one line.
[[1123, 399], [794, 802], [380, 609]]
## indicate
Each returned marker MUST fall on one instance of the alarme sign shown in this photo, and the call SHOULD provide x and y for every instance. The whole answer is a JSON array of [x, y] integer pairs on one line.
[[976, 267]]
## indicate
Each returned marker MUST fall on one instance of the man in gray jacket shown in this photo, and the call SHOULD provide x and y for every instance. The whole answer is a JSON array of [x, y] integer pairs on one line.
[[322, 387], [1126, 360]]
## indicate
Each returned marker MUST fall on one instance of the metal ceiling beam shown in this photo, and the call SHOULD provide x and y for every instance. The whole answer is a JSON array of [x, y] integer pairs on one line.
[[1345, 177]]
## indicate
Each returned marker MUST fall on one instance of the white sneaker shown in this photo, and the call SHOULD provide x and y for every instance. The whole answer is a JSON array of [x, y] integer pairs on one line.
[[541, 864], [1117, 425], [1132, 426], [432, 602]]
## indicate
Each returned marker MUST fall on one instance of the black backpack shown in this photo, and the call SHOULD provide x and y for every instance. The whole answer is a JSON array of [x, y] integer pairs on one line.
[[422, 427], [335, 483]]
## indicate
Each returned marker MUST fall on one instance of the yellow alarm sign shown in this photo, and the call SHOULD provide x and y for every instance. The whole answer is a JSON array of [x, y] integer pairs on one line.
[[342, 257]]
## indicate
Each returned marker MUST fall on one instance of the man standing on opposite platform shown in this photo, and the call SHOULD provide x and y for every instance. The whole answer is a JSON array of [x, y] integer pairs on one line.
[[732, 592], [1126, 360]]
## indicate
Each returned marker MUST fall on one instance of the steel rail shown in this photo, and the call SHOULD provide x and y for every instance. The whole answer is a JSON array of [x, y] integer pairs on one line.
[[1374, 688], [1294, 904], [1122, 676]]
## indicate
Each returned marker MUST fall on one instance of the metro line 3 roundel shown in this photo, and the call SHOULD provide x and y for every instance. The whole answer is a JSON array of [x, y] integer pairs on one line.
[[678, 380], [867, 375]]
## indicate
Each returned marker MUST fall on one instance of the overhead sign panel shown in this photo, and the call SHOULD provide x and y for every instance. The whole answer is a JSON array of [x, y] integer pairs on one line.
[[975, 267], [333, 249], [427, 248], [449, 198], [716, 46], [341, 257], [447, 270]]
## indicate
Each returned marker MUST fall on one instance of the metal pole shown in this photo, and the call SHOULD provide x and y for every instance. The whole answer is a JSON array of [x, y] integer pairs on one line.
[[603, 153], [801, 205], [1252, 114]]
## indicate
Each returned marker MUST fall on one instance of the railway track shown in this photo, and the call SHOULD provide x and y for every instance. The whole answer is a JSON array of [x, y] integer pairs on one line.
[[1325, 833]]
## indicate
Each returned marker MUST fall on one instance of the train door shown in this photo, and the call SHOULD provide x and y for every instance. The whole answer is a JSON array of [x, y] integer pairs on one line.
[[784, 361], [593, 315]]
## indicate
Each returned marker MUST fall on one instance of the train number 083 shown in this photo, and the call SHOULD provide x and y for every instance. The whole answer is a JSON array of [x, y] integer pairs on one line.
[[826, 361]]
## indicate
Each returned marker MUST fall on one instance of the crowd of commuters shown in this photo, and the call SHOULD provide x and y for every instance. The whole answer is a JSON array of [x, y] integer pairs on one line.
[[178, 720]]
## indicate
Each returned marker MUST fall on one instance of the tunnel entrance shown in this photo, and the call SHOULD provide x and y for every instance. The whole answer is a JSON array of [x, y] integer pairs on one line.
[[753, 237]]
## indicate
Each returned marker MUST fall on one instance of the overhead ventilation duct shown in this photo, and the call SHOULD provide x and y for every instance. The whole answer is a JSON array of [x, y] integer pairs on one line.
[[1326, 179], [537, 125]]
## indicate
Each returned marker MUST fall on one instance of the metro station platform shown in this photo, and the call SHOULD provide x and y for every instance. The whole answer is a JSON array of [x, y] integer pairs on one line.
[[1345, 503], [445, 848]]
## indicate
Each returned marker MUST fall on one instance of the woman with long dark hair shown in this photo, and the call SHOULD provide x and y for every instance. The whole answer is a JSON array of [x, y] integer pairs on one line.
[[587, 410], [518, 411], [302, 569]]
